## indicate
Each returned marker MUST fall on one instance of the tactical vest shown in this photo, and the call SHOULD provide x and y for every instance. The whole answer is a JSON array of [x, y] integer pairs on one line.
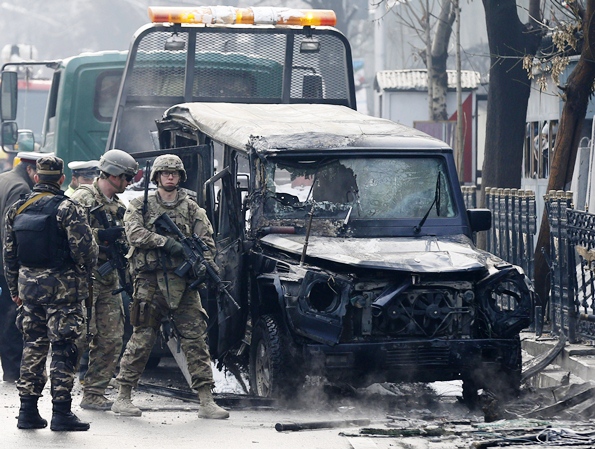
[[40, 242]]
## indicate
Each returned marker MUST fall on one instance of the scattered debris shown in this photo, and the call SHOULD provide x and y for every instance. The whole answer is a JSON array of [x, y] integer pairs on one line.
[[560, 437], [586, 393], [539, 363], [228, 400], [280, 427]]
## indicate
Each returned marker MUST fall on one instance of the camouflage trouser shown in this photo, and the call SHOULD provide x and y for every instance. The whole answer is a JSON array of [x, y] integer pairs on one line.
[[59, 325], [149, 307], [107, 328]]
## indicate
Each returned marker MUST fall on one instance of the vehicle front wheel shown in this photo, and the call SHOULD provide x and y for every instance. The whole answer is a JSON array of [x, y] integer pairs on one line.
[[269, 360]]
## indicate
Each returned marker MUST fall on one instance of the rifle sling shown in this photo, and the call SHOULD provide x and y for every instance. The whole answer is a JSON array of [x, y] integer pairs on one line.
[[31, 201]]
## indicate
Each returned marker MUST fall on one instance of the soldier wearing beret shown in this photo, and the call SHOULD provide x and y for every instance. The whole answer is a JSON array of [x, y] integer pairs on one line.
[[48, 250], [13, 184]]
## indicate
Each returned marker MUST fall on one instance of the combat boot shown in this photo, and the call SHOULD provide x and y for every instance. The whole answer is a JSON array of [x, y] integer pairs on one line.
[[64, 420], [208, 408], [29, 417], [93, 401], [123, 405]]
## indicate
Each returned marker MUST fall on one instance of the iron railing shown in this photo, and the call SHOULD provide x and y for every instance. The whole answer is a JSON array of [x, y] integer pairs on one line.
[[514, 223], [570, 308]]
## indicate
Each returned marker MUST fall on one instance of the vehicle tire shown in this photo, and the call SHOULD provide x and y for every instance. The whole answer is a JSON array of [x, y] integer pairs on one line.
[[270, 360]]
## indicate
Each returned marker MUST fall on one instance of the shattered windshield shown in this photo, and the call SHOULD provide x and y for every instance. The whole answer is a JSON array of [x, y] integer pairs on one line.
[[359, 188]]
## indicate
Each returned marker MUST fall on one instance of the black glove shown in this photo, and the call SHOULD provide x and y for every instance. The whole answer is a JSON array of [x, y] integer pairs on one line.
[[173, 247], [110, 235]]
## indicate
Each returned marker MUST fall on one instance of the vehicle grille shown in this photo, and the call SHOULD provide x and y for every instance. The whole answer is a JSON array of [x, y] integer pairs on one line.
[[428, 313], [417, 357]]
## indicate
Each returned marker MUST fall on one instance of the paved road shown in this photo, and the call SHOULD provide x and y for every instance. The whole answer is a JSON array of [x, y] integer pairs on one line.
[[171, 423]]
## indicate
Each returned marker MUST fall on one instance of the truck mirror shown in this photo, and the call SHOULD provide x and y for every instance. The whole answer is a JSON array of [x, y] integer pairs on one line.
[[8, 98], [9, 132], [480, 219], [25, 140]]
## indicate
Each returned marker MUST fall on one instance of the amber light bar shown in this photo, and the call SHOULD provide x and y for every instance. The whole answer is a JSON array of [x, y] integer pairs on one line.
[[259, 15]]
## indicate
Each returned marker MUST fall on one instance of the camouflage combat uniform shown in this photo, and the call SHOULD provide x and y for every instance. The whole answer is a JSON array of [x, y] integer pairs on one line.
[[107, 318], [51, 311], [156, 295]]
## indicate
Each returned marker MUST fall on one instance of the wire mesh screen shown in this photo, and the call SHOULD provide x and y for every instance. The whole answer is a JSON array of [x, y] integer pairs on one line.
[[321, 75], [156, 71], [248, 65]]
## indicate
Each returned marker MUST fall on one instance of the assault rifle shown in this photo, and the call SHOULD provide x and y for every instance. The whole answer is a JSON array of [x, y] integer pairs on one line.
[[116, 253], [89, 303], [194, 249], [146, 182]]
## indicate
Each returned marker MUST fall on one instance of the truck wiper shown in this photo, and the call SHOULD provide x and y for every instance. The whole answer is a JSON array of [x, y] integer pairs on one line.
[[417, 228]]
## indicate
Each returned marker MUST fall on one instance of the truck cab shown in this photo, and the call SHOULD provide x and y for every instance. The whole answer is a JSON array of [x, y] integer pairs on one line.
[[81, 104], [78, 102]]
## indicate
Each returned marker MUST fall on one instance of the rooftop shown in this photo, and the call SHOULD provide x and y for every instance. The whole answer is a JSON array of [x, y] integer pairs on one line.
[[417, 80]]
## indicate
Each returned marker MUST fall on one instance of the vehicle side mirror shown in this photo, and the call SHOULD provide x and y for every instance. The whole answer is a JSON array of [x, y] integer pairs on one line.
[[25, 140], [9, 133], [480, 219], [8, 97]]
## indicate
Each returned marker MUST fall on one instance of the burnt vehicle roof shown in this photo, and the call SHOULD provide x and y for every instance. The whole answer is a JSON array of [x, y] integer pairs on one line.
[[280, 129]]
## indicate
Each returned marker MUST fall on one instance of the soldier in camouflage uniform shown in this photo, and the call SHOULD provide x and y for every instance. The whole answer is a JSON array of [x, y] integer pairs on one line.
[[117, 169], [159, 292], [48, 249]]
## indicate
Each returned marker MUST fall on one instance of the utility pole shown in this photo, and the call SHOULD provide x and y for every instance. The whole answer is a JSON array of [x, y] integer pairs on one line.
[[459, 141], [379, 48], [429, 64]]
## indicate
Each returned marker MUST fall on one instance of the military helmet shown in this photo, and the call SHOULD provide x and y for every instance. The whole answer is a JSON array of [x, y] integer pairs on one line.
[[167, 162], [118, 162]]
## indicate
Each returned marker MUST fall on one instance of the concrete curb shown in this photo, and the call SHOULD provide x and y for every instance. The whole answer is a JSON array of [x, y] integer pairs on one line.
[[575, 363]]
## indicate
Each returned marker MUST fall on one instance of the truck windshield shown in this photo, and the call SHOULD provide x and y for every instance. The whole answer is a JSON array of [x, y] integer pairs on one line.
[[359, 188]]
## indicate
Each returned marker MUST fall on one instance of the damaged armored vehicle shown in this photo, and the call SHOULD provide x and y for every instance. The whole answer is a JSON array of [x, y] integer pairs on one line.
[[345, 241]]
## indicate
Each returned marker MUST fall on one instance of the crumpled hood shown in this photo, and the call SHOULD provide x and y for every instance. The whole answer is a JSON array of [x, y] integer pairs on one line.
[[426, 254]]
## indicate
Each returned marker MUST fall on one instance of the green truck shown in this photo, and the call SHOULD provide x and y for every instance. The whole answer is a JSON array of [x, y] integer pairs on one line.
[[79, 108]]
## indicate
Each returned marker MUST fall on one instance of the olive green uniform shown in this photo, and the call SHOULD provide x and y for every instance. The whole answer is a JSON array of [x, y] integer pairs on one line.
[[159, 293], [107, 318]]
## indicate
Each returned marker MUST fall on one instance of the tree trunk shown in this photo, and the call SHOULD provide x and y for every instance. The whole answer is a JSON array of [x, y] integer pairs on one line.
[[437, 70], [508, 95], [577, 94]]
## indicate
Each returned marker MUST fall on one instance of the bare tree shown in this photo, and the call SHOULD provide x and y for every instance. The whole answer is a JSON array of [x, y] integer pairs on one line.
[[510, 42], [434, 32], [576, 94]]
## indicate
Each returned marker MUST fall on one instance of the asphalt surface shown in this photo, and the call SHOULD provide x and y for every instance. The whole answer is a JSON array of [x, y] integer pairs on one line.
[[172, 423]]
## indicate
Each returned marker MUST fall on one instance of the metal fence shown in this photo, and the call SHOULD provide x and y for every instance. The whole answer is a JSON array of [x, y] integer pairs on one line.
[[571, 259], [514, 224], [572, 266]]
